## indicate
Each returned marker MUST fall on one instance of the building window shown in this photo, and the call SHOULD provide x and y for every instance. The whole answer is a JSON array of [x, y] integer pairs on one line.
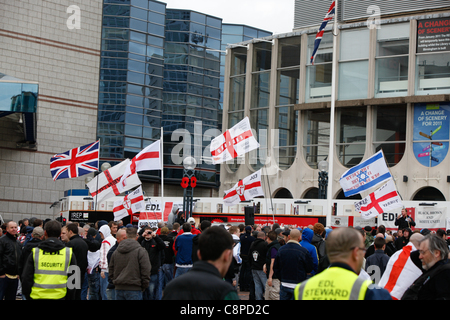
[[391, 62], [433, 73], [390, 132], [354, 64], [286, 121], [318, 76], [287, 95], [259, 105], [351, 135], [317, 136], [237, 96]]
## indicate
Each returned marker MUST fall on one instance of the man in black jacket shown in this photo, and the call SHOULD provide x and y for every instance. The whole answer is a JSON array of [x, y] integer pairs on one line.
[[205, 280], [404, 221], [10, 269], [434, 283], [80, 249], [257, 254]]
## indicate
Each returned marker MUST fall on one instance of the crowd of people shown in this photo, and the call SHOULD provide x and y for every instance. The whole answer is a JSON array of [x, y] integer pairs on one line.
[[110, 261]]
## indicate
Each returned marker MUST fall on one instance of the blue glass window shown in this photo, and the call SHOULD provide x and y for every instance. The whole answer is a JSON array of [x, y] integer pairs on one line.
[[133, 118], [136, 77], [116, 10], [155, 29], [157, 6], [131, 130], [156, 17], [140, 3], [138, 25], [118, 22], [213, 32]]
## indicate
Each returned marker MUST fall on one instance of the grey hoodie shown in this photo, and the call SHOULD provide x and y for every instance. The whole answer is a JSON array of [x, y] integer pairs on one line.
[[130, 267]]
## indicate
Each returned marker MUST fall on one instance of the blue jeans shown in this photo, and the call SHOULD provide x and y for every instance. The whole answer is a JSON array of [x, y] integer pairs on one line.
[[94, 285], [103, 286], [165, 275], [260, 279], [286, 293], [150, 292], [128, 295], [181, 271]]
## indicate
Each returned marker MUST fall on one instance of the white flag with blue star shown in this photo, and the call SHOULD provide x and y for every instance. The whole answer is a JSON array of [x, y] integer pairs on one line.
[[365, 175]]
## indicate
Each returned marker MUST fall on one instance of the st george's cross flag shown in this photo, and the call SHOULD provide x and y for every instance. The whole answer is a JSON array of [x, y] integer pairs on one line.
[[234, 142], [382, 200], [131, 203], [328, 17], [104, 185], [75, 162], [400, 272], [148, 159], [245, 189], [365, 175]]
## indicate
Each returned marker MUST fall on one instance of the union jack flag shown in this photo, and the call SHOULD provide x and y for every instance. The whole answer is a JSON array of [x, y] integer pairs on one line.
[[328, 17], [75, 162]]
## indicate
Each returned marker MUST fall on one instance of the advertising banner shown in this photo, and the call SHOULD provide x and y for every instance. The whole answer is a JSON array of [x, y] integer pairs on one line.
[[433, 35], [431, 133]]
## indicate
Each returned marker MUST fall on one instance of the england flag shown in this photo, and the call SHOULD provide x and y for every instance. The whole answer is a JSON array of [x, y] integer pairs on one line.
[[382, 200], [131, 203], [105, 185], [234, 142], [246, 189]]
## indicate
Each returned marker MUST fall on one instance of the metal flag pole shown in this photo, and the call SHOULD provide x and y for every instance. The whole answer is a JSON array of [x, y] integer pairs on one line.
[[161, 154], [331, 154]]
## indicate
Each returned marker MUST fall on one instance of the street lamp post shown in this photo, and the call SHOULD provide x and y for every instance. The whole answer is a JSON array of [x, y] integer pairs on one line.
[[189, 182], [323, 179]]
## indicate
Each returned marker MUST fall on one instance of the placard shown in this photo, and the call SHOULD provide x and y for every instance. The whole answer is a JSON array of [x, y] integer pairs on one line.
[[431, 217], [433, 35]]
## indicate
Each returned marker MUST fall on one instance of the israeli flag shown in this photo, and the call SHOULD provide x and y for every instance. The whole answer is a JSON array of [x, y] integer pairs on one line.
[[366, 175]]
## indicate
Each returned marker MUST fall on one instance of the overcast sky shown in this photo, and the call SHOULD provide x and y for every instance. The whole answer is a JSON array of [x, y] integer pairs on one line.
[[276, 16]]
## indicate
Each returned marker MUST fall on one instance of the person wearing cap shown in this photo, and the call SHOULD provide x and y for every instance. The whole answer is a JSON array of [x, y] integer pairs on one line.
[[345, 249]]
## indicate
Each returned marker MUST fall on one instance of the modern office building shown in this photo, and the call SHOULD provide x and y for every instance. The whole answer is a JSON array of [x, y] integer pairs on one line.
[[161, 67], [392, 94], [131, 79]]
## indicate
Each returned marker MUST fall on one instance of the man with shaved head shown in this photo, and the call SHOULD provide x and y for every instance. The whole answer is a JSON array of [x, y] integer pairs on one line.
[[345, 249], [292, 264]]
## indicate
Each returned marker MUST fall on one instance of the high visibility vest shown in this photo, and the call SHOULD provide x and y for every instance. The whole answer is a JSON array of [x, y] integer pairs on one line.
[[50, 273], [335, 283]]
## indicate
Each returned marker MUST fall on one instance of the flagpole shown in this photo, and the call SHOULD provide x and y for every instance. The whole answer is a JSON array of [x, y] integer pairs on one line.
[[332, 117], [162, 166]]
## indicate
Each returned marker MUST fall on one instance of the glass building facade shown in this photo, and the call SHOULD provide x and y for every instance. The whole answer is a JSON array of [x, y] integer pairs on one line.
[[160, 68], [191, 91], [131, 77]]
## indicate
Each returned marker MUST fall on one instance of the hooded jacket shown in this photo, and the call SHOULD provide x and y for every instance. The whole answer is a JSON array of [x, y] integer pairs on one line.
[[107, 243], [49, 245], [129, 267], [307, 236]]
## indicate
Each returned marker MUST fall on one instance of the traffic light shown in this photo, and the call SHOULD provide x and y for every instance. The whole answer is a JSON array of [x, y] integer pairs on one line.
[[62, 220]]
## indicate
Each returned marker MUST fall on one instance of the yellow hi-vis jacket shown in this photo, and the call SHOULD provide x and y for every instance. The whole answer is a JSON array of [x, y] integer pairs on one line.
[[334, 283], [50, 273]]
